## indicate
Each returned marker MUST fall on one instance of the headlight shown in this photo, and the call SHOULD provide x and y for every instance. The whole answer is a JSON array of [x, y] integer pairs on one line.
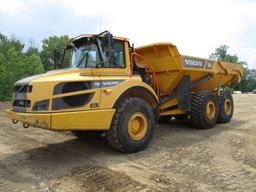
[[41, 105]]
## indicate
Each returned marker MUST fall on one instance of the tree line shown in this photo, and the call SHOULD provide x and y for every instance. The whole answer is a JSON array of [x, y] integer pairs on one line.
[[17, 63], [248, 82]]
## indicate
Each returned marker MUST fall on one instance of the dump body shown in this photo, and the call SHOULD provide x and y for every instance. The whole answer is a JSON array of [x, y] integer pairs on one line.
[[170, 67]]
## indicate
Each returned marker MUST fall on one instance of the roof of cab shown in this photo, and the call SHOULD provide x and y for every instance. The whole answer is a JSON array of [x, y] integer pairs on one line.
[[91, 35]]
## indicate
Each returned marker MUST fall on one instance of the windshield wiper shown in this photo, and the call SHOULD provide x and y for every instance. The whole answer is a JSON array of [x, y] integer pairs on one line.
[[85, 56]]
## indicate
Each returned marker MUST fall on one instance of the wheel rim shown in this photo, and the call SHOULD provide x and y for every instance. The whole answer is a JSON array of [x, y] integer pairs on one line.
[[137, 126], [227, 106], [210, 110]]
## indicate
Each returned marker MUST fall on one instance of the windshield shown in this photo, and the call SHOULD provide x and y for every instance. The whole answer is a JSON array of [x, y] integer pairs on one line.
[[86, 56]]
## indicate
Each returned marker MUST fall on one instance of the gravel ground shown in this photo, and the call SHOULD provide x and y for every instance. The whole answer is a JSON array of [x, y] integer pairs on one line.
[[180, 158]]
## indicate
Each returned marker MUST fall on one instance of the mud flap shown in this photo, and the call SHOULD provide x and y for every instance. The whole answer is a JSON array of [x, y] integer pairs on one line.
[[182, 93]]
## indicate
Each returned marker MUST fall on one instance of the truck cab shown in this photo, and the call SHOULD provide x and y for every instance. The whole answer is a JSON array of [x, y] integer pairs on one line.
[[83, 98]]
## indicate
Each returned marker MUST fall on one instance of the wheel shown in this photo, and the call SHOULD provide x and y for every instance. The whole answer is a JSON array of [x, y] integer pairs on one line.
[[181, 116], [226, 107], [86, 134], [164, 119], [204, 110], [132, 126]]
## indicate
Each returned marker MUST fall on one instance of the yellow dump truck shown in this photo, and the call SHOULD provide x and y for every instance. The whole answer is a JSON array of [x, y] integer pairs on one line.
[[116, 90]]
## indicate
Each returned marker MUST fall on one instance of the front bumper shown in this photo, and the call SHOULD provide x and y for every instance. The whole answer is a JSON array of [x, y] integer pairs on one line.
[[77, 120]]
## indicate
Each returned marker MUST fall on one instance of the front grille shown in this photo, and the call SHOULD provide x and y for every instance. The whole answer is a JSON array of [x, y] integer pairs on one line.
[[20, 101]]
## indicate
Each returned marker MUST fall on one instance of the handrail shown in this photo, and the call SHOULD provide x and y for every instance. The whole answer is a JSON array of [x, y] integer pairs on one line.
[[155, 79]]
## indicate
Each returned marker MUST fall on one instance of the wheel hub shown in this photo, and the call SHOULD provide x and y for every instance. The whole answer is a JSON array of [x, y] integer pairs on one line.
[[211, 110], [227, 106], [137, 126]]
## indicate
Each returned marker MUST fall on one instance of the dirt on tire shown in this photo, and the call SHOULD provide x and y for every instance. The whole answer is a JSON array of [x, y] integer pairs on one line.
[[179, 158]]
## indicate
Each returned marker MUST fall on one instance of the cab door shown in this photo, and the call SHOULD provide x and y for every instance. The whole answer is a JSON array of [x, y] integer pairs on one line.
[[119, 63], [114, 72]]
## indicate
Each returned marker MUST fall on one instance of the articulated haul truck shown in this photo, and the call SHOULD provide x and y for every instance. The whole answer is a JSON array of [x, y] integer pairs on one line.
[[114, 89]]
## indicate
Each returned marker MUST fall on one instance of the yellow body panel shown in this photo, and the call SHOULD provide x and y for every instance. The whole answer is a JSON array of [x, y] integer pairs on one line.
[[43, 87], [110, 94], [80, 120], [83, 120]]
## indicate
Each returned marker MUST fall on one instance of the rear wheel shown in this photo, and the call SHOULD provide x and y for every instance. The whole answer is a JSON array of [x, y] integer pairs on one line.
[[132, 126], [85, 134], [226, 107], [164, 119], [204, 110]]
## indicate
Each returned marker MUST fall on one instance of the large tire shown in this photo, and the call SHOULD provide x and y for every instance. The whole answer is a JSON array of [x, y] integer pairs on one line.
[[204, 110], [164, 119], [132, 126], [87, 134], [226, 107]]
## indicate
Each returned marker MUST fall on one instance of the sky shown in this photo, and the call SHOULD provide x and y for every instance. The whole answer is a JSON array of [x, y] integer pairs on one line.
[[196, 27]]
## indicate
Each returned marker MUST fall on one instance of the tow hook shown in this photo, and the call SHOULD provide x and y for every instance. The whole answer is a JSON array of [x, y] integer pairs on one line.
[[25, 125], [14, 121]]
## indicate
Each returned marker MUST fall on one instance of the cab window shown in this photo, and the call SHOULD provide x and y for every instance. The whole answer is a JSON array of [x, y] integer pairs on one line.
[[117, 59]]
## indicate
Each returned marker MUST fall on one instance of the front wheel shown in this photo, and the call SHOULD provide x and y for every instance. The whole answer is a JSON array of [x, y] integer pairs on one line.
[[132, 126]]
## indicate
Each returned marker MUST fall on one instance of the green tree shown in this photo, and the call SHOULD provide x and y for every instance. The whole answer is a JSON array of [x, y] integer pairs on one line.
[[248, 82], [52, 52], [32, 51], [221, 53], [15, 65]]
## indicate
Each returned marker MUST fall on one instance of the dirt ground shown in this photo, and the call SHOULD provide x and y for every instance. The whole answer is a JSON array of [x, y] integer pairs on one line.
[[180, 158]]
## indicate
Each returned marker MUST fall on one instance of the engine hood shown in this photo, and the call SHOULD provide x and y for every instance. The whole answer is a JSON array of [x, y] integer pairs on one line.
[[56, 75]]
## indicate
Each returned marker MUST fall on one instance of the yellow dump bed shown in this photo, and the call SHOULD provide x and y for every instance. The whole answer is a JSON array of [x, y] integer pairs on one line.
[[170, 67]]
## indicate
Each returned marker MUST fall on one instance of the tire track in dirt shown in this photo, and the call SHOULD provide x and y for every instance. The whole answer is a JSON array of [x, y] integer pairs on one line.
[[97, 178]]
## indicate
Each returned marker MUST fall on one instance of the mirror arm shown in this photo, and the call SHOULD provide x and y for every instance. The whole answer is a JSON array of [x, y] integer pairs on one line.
[[100, 49], [110, 43]]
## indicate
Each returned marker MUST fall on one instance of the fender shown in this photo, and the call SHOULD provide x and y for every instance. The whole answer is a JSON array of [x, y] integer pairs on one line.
[[139, 92]]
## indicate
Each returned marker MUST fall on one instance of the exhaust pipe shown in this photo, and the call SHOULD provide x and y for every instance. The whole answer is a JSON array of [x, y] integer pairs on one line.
[[25, 125]]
